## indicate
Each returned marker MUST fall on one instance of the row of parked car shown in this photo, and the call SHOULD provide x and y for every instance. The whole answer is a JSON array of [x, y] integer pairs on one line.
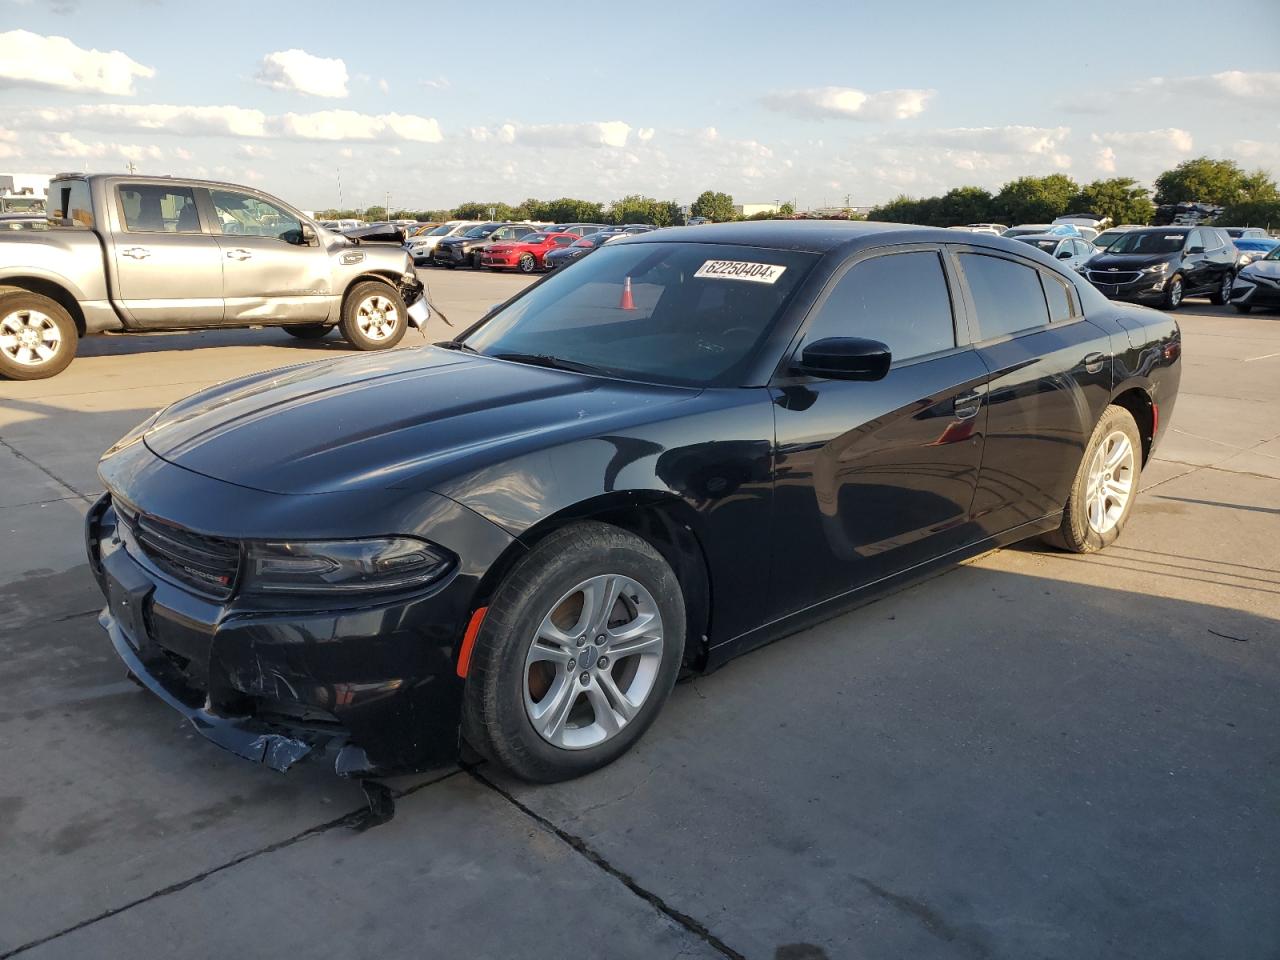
[[504, 245], [1159, 266]]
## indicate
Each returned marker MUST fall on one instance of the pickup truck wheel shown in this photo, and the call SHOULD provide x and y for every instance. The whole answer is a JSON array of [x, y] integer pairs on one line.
[[373, 316], [38, 338], [308, 331]]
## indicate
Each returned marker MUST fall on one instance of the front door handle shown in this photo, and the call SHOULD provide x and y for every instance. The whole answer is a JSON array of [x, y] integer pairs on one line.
[[967, 405], [239, 253], [136, 253], [1094, 361]]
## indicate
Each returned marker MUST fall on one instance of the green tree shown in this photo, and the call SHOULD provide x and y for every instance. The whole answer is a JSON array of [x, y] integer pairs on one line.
[[714, 206], [1119, 198], [788, 209], [963, 205], [374, 213], [1251, 213], [901, 209], [1036, 199], [569, 210], [635, 208], [1201, 179]]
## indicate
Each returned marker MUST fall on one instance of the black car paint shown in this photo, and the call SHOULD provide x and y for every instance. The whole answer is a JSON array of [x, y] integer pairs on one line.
[[1201, 271], [779, 502]]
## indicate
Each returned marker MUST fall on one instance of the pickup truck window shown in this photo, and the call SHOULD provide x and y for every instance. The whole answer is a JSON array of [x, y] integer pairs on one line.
[[149, 208], [243, 214], [69, 200]]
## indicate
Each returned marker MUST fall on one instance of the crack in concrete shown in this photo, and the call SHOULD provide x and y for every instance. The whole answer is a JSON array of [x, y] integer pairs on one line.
[[690, 924], [43, 469], [347, 819], [928, 917]]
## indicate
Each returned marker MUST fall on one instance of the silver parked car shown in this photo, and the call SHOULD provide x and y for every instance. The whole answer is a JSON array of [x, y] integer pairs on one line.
[[142, 254], [1074, 252]]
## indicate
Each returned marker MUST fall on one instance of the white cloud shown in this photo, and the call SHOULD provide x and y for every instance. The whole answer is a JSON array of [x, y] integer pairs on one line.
[[384, 86], [300, 72], [1106, 160], [34, 60], [255, 152], [65, 145], [7, 149], [645, 134], [1168, 139], [1042, 141], [1229, 85], [848, 103], [439, 83], [608, 133], [233, 121]]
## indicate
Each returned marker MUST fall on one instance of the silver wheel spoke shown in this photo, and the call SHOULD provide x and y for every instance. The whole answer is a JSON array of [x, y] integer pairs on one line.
[[559, 704], [629, 631], [603, 710], [636, 646], [617, 700]]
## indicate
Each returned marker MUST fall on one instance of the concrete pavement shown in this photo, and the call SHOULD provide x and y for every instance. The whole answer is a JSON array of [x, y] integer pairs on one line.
[[1033, 754]]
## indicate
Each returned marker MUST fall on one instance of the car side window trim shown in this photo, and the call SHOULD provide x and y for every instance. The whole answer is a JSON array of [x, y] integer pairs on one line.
[[959, 312], [1072, 295], [122, 221]]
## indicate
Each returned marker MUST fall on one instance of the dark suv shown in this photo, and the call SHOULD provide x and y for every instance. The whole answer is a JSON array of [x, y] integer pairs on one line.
[[1162, 265], [464, 250]]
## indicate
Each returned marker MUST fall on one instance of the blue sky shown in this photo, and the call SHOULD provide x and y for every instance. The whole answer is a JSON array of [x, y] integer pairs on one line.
[[439, 103]]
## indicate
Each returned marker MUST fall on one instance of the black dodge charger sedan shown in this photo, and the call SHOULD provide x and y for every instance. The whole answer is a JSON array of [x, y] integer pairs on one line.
[[689, 445]]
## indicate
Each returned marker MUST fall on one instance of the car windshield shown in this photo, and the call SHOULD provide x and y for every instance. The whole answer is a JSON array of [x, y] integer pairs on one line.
[[1144, 241], [440, 231], [481, 231], [1274, 254], [690, 314], [1048, 246], [1107, 237]]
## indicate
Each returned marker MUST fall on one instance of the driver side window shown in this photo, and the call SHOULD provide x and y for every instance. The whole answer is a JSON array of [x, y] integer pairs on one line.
[[900, 299], [242, 214]]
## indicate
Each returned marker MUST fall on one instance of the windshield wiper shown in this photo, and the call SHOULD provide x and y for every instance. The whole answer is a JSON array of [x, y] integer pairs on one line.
[[546, 360], [455, 345]]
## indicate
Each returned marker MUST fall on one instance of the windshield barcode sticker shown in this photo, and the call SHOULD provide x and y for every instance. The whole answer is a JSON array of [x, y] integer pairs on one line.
[[740, 270]]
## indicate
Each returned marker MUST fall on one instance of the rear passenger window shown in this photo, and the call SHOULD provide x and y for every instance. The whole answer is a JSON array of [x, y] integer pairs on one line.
[[1007, 295], [157, 209], [1055, 292], [900, 299]]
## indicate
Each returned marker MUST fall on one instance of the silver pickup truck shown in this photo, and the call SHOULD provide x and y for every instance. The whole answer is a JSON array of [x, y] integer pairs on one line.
[[140, 254]]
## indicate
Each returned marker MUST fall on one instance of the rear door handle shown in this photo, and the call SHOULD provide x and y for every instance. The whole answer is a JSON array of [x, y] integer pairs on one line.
[[137, 253], [967, 405], [239, 253], [1094, 361]]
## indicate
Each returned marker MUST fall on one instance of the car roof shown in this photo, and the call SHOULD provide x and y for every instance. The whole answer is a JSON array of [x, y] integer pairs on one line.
[[819, 236], [1171, 228], [1023, 238]]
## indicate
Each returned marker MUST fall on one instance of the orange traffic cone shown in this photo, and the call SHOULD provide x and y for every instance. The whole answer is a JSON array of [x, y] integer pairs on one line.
[[628, 302]]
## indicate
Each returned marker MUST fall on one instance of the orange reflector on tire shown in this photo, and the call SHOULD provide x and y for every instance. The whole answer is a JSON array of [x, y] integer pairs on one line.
[[469, 640]]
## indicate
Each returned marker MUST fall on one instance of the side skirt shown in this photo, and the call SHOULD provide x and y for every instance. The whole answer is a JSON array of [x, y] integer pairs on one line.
[[725, 651]]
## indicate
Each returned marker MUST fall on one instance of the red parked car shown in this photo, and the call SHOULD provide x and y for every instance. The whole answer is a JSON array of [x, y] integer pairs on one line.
[[524, 255]]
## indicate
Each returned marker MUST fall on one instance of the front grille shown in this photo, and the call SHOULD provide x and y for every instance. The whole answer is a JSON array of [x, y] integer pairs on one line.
[[209, 565], [1120, 276]]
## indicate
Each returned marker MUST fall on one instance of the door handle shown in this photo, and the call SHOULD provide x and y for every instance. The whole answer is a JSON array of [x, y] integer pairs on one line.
[[239, 253], [967, 405], [137, 253], [1094, 361]]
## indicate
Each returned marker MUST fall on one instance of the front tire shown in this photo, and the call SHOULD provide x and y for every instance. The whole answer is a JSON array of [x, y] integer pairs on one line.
[[1223, 293], [527, 263], [1173, 293], [1105, 486], [579, 650], [308, 331], [38, 338], [373, 316]]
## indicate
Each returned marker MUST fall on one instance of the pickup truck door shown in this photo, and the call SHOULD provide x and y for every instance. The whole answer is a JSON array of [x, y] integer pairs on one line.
[[168, 270], [268, 274]]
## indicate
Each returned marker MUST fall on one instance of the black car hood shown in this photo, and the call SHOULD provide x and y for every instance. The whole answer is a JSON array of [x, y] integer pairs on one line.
[[1128, 261], [407, 418]]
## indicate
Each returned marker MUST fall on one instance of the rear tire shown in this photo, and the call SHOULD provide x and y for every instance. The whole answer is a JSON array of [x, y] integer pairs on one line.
[[309, 331], [527, 668], [1223, 293], [1105, 486], [527, 263], [373, 316], [38, 338]]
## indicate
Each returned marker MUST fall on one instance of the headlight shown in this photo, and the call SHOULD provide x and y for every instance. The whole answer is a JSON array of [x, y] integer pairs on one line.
[[1158, 268], [339, 566], [1245, 259]]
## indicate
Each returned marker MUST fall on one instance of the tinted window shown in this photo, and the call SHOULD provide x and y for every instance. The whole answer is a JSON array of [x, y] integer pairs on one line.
[[1149, 241], [244, 215], [901, 300], [687, 313], [1045, 244], [1055, 292], [69, 199], [157, 209], [1196, 239], [1007, 295]]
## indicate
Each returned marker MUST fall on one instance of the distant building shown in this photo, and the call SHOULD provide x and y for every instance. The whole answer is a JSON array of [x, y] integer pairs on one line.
[[23, 192]]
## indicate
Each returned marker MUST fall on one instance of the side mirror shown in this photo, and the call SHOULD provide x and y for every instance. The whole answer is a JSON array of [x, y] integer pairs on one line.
[[845, 358], [1195, 249], [308, 234], [1065, 253]]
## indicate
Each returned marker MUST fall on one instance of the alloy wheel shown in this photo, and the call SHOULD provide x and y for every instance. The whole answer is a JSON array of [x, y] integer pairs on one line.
[[377, 317], [1228, 281], [29, 337], [593, 662], [1110, 482], [1175, 292]]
